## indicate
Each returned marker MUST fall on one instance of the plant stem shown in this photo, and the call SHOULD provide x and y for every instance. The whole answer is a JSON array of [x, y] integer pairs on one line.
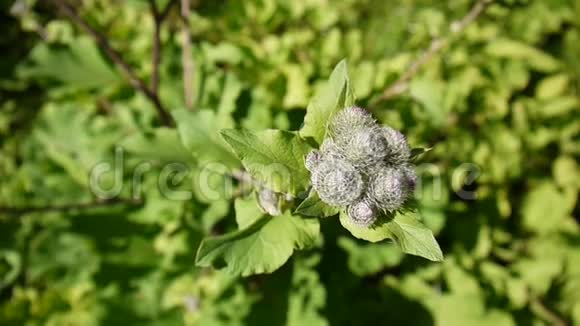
[[402, 84], [186, 56], [137, 83], [158, 18], [543, 312]]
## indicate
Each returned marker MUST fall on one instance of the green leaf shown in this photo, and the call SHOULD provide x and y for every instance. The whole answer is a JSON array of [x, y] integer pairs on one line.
[[198, 134], [212, 182], [539, 273], [517, 292], [262, 247], [405, 229], [247, 211], [430, 93], [273, 157], [163, 144], [414, 238], [376, 233], [566, 172], [460, 281], [451, 309], [418, 151], [560, 106], [552, 86], [313, 206], [223, 52], [12, 262], [80, 66], [504, 48], [432, 200], [231, 91], [364, 77], [368, 259], [296, 85], [72, 139], [307, 298], [215, 212], [335, 96], [545, 208]]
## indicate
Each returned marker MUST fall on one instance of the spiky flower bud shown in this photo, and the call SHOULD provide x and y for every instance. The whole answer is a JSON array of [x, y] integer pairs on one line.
[[337, 182], [390, 189], [330, 149], [312, 160], [362, 167], [399, 150], [344, 123], [362, 213], [410, 175], [365, 147]]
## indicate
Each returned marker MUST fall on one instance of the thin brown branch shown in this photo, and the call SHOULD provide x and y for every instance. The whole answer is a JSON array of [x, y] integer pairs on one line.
[[104, 105], [437, 44], [186, 56], [158, 18], [166, 10], [69, 207], [156, 57], [137, 83], [546, 314]]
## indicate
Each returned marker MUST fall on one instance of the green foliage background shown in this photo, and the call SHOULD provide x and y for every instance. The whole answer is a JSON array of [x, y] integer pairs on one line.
[[503, 96]]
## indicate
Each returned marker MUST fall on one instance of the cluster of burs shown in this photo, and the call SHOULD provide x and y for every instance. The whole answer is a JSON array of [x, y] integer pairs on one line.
[[362, 166]]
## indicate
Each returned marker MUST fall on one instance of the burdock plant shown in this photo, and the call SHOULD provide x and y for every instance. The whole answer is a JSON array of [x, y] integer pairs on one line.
[[341, 163], [362, 167]]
